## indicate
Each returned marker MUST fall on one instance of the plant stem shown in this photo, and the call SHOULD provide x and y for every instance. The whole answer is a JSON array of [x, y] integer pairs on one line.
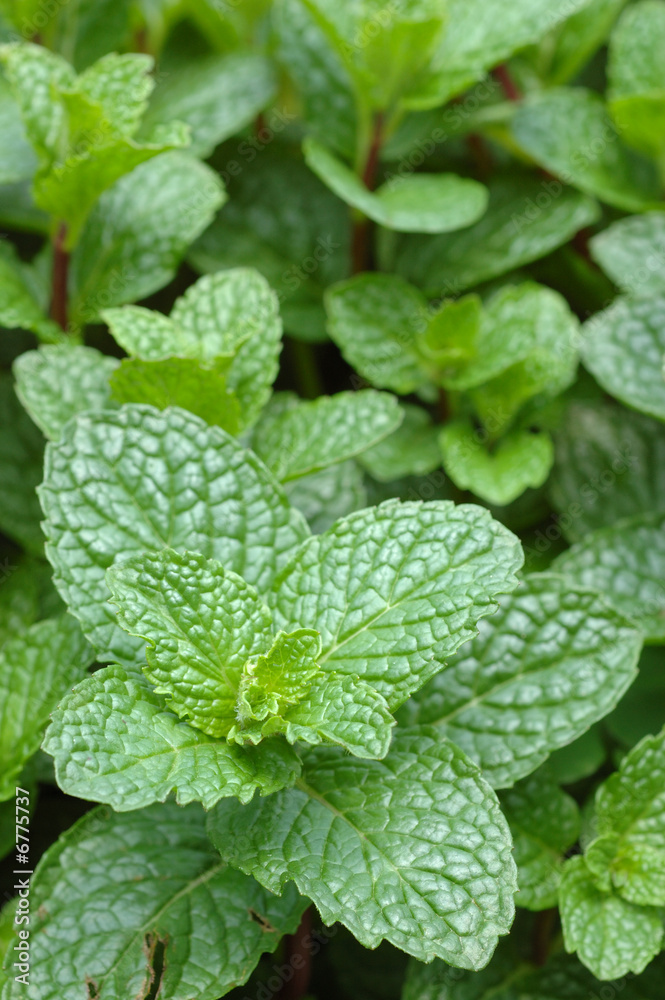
[[510, 88], [360, 243], [60, 277], [542, 932], [298, 956]]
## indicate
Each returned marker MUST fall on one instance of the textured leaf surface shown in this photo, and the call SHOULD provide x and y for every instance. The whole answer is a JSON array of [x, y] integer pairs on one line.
[[139, 480], [544, 822], [326, 496], [411, 450], [377, 846], [611, 936], [569, 132], [115, 894], [114, 741], [21, 462], [331, 429], [518, 461], [525, 220], [58, 381], [395, 589], [201, 624], [375, 320], [609, 464], [623, 348], [626, 562], [36, 668], [552, 661], [631, 252], [139, 232], [216, 96]]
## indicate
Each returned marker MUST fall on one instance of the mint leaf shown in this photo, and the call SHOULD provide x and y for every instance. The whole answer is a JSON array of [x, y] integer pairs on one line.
[[57, 382], [553, 660], [191, 94], [625, 562], [324, 497], [609, 464], [499, 475], [34, 74], [330, 429], [359, 857], [570, 133], [411, 450], [183, 382], [395, 589], [36, 668], [545, 823], [636, 77], [139, 231], [425, 203], [21, 463], [375, 320], [179, 483], [623, 348], [156, 878], [611, 936], [17, 159], [279, 678], [628, 811], [580, 37], [201, 623], [629, 252], [113, 740], [19, 307], [230, 319], [525, 219]]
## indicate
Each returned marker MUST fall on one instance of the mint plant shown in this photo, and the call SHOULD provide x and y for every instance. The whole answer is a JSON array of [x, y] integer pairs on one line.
[[331, 500]]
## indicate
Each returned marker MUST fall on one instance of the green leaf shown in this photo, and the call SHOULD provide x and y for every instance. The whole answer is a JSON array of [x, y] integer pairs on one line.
[[17, 159], [34, 75], [478, 37], [623, 348], [114, 741], [18, 305], [97, 27], [169, 481], [36, 668], [411, 450], [191, 94], [280, 678], [201, 624], [611, 936], [609, 464], [425, 203], [330, 429], [552, 661], [228, 319], [318, 72], [27, 595], [525, 220], [57, 382], [630, 251], [396, 589], [545, 823], [636, 76], [119, 903], [325, 496], [518, 461], [570, 133], [283, 221], [375, 320], [626, 562], [182, 382], [139, 232], [21, 463], [580, 37], [364, 841], [639, 713], [629, 808]]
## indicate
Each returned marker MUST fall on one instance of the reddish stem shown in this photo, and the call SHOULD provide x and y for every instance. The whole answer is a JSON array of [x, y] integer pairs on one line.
[[360, 239], [60, 277], [299, 957], [510, 88], [542, 933], [581, 244]]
